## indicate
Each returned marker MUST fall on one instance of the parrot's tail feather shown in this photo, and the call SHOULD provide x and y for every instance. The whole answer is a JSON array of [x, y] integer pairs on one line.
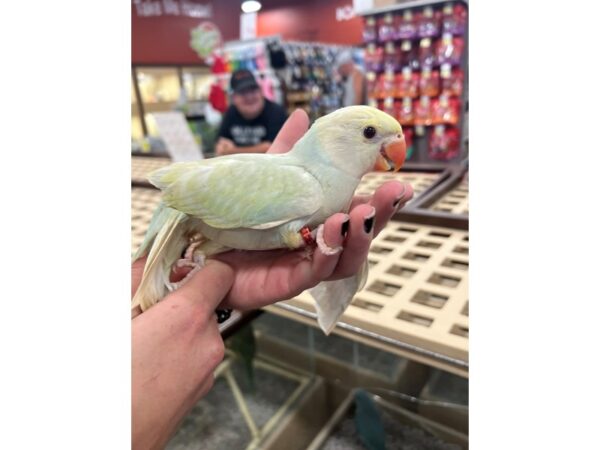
[[159, 217], [167, 246], [333, 297]]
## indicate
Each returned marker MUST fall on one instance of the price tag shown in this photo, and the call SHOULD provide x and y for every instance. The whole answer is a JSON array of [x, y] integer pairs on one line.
[[406, 46], [425, 43], [428, 12], [420, 130]]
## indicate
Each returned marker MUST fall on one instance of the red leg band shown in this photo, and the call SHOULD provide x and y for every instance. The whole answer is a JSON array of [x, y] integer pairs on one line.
[[306, 236]]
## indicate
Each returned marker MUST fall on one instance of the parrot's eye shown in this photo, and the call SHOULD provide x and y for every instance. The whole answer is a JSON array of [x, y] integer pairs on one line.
[[369, 132]]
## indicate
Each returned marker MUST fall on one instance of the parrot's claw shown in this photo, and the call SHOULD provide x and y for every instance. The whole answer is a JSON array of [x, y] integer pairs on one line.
[[195, 260], [191, 273], [325, 249]]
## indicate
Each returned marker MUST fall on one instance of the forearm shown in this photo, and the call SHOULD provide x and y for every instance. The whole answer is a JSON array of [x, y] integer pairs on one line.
[[258, 148]]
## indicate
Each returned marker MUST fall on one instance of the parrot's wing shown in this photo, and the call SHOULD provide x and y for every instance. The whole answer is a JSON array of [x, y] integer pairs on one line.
[[245, 193]]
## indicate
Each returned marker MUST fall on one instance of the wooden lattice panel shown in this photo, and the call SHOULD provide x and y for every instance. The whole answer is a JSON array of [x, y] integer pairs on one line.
[[419, 181], [456, 200], [417, 290], [143, 203], [141, 166]]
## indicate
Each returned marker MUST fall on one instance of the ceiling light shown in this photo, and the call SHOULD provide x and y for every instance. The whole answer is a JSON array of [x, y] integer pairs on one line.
[[250, 6]]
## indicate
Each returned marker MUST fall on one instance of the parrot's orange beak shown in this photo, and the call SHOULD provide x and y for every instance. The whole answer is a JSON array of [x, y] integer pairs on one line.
[[394, 151]]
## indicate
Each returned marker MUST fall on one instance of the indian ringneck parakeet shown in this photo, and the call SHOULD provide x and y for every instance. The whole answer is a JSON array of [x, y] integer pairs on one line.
[[268, 201]]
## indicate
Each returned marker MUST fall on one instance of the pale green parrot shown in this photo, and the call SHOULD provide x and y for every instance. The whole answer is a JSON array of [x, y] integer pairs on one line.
[[263, 201]]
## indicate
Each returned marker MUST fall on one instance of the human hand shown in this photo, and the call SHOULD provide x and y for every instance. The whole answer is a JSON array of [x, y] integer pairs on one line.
[[176, 346], [224, 147], [264, 277]]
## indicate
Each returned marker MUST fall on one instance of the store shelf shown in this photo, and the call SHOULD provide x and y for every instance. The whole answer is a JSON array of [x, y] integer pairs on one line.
[[420, 181], [415, 302], [455, 200], [141, 166]]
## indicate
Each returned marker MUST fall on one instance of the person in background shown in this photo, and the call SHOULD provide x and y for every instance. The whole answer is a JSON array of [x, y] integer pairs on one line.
[[354, 80], [251, 123]]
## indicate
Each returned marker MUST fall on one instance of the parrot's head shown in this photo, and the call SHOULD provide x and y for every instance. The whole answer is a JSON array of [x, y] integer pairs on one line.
[[359, 139]]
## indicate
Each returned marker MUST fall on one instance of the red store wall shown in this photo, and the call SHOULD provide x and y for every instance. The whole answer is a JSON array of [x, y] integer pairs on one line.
[[165, 39], [309, 20]]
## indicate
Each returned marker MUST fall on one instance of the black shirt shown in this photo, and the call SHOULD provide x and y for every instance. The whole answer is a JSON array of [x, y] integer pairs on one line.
[[245, 133]]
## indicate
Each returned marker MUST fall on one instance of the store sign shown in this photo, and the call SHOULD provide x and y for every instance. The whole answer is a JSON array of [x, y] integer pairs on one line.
[[205, 38], [248, 25], [188, 8], [344, 13], [179, 140]]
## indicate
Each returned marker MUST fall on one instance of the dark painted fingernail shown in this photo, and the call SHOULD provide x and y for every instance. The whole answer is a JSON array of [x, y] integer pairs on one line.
[[223, 314], [345, 226], [369, 222]]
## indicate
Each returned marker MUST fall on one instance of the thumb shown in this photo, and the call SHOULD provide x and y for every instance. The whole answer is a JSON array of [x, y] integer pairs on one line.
[[292, 130], [208, 286]]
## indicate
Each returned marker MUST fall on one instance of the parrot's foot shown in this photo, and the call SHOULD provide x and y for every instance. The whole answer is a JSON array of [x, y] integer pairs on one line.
[[193, 259], [325, 249]]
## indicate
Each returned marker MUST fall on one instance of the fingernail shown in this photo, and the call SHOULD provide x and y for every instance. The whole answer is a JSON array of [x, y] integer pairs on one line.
[[223, 314], [345, 227], [369, 222], [399, 198]]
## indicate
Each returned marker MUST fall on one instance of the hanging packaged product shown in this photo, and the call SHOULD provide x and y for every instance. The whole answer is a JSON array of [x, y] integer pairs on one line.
[[443, 143], [374, 58], [445, 110], [407, 28], [261, 57], [371, 85], [373, 103], [408, 138], [407, 83], [454, 19], [429, 82], [217, 97], [390, 107], [370, 30], [426, 53], [452, 80], [406, 115], [219, 65], [423, 115], [429, 23], [391, 58], [266, 86], [449, 50], [386, 28], [409, 55], [388, 84]]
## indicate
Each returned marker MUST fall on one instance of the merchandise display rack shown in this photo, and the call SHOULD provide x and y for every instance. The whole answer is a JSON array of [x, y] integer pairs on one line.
[[390, 69]]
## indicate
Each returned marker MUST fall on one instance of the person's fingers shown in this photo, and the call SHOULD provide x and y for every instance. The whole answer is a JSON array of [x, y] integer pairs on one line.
[[292, 130], [208, 286], [360, 234], [359, 200], [386, 199], [335, 230]]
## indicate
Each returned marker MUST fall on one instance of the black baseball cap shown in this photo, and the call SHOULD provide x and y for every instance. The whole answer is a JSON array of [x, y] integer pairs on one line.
[[242, 80]]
